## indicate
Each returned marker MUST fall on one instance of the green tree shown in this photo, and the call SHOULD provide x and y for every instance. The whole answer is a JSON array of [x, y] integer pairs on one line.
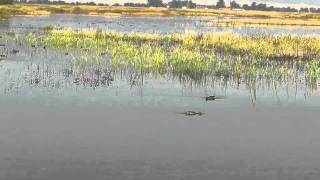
[[155, 3], [235, 5], [221, 4]]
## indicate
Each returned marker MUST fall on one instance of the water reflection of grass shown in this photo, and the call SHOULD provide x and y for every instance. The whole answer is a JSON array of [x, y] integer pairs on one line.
[[191, 56]]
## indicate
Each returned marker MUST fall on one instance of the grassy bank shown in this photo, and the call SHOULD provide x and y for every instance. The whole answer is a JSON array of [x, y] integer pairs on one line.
[[27, 9], [193, 56], [98, 10]]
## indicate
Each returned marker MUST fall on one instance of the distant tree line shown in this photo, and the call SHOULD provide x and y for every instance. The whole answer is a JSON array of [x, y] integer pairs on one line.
[[6, 1], [264, 7], [182, 4], [155, 3], [221, 4], [134, 4]]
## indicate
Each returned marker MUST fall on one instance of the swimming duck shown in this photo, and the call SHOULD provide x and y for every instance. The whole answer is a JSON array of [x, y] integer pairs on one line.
[[14, 51], [211, 98], [192, 113]]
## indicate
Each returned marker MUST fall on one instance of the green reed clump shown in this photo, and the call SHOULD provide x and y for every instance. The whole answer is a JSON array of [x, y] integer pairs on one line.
[[312, 73], [284, 47], [195, 56]]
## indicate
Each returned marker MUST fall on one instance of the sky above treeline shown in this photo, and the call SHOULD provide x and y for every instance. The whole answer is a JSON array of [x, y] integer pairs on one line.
[[278, 3]]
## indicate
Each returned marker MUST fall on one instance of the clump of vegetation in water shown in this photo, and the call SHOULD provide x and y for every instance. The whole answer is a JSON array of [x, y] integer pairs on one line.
[[265, 22], [285, 47], [192, 56]]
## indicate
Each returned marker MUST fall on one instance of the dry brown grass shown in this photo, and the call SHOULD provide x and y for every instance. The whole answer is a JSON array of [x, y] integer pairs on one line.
[[27, 9]]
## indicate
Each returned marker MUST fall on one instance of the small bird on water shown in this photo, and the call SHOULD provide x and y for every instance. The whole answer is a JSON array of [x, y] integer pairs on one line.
[[193, 113], [15, 51], [212, 98]]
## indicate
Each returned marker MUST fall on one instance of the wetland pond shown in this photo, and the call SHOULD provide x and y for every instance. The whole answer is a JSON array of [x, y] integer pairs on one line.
[[62, 119]]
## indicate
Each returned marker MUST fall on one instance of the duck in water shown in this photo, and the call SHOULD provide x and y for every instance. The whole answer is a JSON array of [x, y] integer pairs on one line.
[[14, 51], [193, 113], [212, 98]]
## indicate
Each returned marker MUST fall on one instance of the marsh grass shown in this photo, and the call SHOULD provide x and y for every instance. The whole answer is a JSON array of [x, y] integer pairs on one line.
[[266, 22], [192, 56], [267, 47]]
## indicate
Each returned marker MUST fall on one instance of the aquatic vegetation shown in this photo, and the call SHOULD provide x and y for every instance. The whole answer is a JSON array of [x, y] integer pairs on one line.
[[265, 22], [312, 74], [192, 56], [268, 47]]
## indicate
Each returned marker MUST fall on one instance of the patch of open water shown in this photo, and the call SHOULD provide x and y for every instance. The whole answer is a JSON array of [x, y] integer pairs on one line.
[[60, 120], [163, 25]]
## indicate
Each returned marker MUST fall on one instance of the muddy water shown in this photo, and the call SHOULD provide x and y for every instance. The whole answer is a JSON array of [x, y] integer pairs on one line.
[[63, 120]]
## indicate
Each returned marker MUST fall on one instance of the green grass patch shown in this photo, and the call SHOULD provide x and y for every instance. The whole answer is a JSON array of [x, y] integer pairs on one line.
[[192, 56]]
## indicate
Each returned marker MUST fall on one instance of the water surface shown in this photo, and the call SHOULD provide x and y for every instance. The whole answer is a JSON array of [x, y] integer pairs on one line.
[[60, 119], [163, 25]]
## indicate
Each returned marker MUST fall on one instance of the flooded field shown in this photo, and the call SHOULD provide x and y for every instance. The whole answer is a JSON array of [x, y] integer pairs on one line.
[[82, 114]]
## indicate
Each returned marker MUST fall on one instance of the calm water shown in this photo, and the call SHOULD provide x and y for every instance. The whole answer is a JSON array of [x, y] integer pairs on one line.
[[140, 24], [63, 120]]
